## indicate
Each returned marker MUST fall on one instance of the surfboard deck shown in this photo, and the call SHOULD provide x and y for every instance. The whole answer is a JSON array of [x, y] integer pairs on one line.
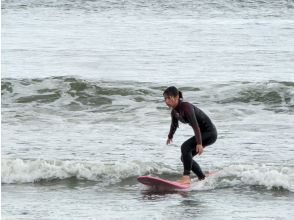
[[157, 182]]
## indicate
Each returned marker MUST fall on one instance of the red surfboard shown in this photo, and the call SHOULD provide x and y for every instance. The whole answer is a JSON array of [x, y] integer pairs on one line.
[[157, 182]]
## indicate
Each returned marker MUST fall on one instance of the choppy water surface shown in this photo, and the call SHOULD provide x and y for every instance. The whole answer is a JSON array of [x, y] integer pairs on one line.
[[83, 113]]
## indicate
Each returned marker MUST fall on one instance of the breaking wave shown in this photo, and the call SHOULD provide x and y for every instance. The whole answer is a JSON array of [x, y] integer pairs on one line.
[[19, 171], [29, 171], [256, 176]]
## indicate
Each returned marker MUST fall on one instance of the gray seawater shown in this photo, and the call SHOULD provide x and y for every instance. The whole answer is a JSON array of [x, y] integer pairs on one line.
[[83, 113]]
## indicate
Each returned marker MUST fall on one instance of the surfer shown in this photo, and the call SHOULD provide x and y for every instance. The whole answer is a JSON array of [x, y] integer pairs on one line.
[[204, 131]]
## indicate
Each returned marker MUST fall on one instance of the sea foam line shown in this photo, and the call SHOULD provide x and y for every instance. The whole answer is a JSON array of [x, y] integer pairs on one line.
[[243, 175], [259, 175], [27, 171]]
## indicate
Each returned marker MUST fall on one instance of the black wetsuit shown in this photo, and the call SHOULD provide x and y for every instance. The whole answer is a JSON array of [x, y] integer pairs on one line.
[[204, 130]]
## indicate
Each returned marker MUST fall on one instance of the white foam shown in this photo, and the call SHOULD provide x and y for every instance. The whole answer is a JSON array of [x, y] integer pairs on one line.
[[26, 171], [271, 177], [260, 175]]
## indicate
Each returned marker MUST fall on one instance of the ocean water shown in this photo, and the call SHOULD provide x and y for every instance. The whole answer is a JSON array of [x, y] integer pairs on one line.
[[83, 114]]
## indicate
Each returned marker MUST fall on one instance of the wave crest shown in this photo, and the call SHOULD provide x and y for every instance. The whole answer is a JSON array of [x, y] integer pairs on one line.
[[28, 171]]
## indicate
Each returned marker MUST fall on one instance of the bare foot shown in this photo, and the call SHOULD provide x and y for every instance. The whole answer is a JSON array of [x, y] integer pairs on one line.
[[184, 180]]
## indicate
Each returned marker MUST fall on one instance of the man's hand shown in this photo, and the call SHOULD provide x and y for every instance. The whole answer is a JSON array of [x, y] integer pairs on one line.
[[169, 141], [199, 149]]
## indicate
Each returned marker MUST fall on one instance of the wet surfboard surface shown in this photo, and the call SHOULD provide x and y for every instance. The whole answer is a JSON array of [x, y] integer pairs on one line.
[[157, 182]]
